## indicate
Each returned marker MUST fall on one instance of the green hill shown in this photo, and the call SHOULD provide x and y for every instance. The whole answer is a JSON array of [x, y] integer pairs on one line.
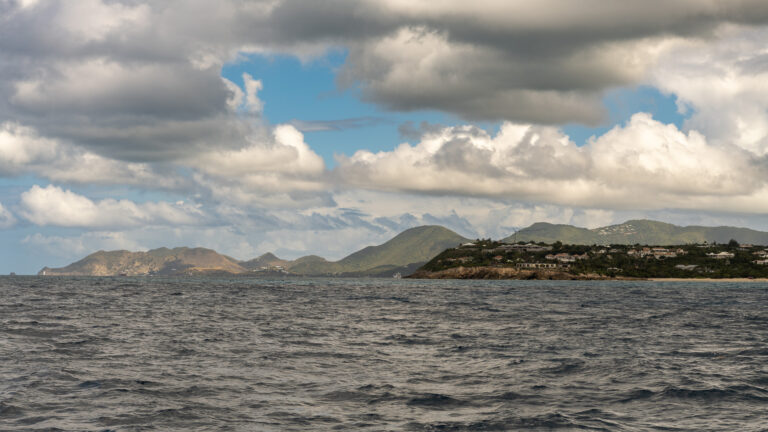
[[267, 260], [637, 231], [550, 233], [413, 246], [311, 265]]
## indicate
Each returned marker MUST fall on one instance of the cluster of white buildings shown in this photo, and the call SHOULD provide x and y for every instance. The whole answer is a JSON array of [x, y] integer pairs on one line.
[[272, 268], [721, 255], [656, 252], [566, 258], [537, 265], [762, 257]]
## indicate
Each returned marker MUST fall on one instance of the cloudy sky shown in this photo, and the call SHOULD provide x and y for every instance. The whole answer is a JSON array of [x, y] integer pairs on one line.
[[321, 127]]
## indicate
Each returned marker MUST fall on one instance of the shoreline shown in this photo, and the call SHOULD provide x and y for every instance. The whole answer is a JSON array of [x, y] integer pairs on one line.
[[506, 273], [458, 273], [764, 280]]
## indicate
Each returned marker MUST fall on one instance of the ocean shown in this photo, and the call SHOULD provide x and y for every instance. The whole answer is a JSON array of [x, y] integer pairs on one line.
[[140, 354]]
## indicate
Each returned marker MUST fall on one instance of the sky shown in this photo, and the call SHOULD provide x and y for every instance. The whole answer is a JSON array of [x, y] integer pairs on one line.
[[321, 127]]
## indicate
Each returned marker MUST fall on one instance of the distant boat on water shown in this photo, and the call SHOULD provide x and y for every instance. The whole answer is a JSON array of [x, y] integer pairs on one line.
[[397, 276]]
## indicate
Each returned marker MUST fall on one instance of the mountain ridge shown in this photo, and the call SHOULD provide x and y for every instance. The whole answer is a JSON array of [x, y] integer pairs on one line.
[[405, 252], [637, 231]]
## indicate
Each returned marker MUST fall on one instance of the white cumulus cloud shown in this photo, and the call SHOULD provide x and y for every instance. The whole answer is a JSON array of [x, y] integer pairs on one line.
[[24, 151], [130, 93], [52, 205], [273, 170], [724, 86], [643, 165]]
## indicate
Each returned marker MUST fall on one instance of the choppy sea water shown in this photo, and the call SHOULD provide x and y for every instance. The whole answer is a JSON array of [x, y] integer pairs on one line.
[[122, 354]]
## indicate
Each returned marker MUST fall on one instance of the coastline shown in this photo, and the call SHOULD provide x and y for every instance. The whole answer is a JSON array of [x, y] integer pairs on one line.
[[508, 273], [501, 273], [764, 280]]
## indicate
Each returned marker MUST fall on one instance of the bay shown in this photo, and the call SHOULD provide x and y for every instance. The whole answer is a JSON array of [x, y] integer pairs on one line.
[[135, 354]]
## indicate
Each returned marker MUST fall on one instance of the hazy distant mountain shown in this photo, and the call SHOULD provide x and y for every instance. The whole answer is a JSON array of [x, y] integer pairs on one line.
[[161, 261], [637, 231], [266, 260], [404, 253]]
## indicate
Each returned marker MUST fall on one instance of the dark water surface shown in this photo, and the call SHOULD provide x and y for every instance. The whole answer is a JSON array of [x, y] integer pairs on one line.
[[124, 354]]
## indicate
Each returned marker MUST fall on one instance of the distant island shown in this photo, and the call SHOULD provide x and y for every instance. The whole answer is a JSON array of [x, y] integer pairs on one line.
[[541, 250]]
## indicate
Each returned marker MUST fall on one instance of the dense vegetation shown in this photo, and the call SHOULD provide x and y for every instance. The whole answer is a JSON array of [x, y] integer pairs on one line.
[[682, 261]]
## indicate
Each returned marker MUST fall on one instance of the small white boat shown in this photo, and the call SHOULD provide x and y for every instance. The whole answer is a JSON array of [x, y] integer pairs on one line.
[[397, 276]]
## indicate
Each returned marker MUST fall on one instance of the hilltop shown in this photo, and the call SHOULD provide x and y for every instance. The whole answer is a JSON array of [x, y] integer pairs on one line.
[[404, 253], [267, 260], [637, 232]]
